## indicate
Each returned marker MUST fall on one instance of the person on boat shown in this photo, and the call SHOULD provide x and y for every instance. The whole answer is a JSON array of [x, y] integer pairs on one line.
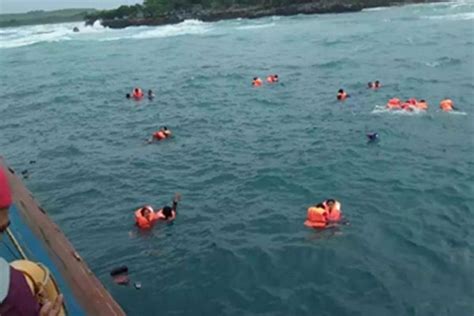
[[151, 95], [161, 134], [342, 95], [146, 217], [5, 201], [272, 78], [137, 94], [257, 82], [17, 298], [447, 105]]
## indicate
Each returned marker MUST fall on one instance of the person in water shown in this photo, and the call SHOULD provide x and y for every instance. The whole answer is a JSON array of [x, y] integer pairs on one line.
[[151, 95], [422, 105], [373, 137], [146, 217], [324, 215], [342, 95], [394, 103], [447, 105], [161, 134], [374, 85], [257, 82], [128, 96], [272, 78], [137, 94]]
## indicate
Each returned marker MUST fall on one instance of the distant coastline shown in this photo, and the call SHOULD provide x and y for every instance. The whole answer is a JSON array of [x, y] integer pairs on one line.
[[44, 17], [139, 15]]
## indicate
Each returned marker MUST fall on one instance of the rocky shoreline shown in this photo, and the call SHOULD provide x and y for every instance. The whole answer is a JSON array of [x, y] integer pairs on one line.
[[205, 15]]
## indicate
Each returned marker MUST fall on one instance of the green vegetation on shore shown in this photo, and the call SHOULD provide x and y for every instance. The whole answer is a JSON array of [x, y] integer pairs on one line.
[[44, 17]]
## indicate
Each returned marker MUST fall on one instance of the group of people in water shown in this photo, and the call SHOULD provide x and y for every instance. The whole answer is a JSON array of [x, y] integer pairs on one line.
[[257, 82], [146, 216], [410, 105], [323, 215], [137, 94], [446, 105]]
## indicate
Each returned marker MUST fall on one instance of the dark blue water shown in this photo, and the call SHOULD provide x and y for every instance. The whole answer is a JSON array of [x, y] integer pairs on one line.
[[248, 162]]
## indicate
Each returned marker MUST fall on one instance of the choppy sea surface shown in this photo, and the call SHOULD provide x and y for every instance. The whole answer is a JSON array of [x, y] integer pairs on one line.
[[248, 162]]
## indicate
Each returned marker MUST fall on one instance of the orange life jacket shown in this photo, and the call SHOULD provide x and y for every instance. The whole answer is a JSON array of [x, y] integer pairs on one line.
[[407, 106], [446, 105], [422, 105], [393, 103], [142, 221], [316, 217], [138, 93], [412, 101], [159, 135], [335, 214], [342, 96], [257, 82]]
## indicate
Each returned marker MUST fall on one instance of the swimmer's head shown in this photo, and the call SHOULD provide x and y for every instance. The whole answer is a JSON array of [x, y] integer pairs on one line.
[[377, 82], [340, 91], [167, 212], [128, 96], [276, 76], [330, 202], [369, 84], [146, 211]]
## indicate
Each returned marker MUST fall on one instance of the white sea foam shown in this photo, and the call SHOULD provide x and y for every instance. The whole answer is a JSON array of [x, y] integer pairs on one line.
[[380, 109], [375, 9], [452, 17], [28, 35], [255, 26], [188, 27]]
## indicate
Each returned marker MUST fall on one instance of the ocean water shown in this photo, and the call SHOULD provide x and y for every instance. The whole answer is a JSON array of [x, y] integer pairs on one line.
[[248, 162]]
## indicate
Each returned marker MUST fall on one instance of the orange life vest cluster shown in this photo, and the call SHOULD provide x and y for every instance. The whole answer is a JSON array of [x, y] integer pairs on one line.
[[257, 82], [322, 215], [409, 105], [147, 222]]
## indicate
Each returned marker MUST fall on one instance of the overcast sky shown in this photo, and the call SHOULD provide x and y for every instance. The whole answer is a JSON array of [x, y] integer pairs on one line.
[[18, 6]]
